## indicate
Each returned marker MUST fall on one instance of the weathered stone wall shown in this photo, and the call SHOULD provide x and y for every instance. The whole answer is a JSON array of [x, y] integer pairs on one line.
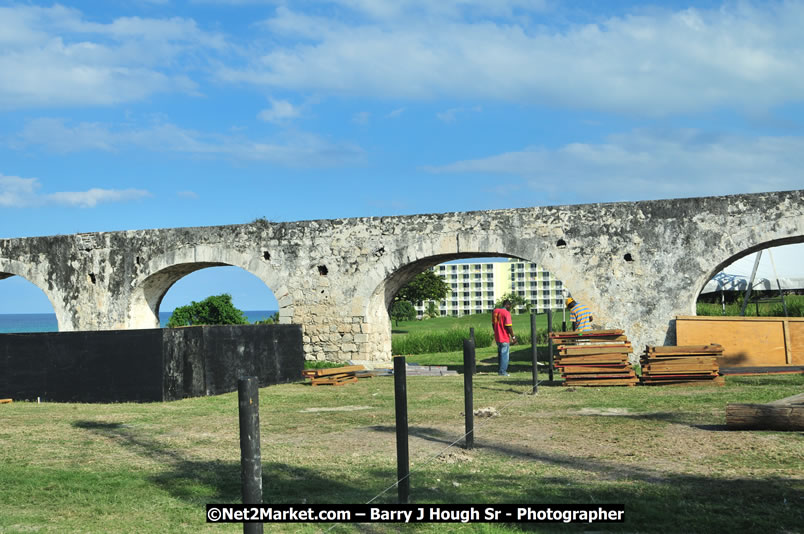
[[637, 264]]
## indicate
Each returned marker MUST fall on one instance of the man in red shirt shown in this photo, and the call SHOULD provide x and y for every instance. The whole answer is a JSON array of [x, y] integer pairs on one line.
[[503, 328]]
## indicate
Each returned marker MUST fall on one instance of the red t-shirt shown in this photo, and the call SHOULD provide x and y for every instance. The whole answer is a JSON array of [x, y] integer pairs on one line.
[[500, 318]]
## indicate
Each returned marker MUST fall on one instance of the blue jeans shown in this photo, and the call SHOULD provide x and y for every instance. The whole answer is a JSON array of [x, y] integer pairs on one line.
[[502, 356]]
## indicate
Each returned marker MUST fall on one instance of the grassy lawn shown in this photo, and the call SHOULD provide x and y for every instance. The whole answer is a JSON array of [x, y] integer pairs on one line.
[[664, 452]]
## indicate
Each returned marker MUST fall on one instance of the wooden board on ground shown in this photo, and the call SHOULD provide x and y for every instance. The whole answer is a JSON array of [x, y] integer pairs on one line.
[[6, 401], [344, 379], [782, 414]]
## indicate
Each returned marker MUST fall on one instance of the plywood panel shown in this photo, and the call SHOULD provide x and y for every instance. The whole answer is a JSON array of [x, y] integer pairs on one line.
[[745, 343], [796, 329]]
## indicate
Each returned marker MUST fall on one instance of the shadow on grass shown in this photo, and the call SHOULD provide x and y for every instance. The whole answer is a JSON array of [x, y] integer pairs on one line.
[[201, 482], [656, 501]]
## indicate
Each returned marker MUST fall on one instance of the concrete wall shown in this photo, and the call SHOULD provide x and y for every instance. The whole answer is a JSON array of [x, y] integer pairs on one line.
[[148, 364], [637, 264]]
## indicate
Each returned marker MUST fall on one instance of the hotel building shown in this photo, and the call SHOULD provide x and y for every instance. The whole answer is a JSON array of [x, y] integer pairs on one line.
[[475, 287]]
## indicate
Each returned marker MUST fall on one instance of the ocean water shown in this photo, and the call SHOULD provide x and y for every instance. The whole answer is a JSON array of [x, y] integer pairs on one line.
[[46, 322]]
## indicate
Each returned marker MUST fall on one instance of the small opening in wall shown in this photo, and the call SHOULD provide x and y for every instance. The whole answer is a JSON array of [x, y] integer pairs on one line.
[[138, 260], [92, 277], [322, 270], [322, 291], [628, 257], [266, 255], [561, 243]]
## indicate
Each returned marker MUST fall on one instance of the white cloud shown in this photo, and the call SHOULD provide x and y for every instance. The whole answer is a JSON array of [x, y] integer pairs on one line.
[[362, 117], [649, 164], [289, 149], [16, 192], [192, 195], [95, 196], [53, 56], [395, 113], [280, 111], [742, 55], [451, 114]]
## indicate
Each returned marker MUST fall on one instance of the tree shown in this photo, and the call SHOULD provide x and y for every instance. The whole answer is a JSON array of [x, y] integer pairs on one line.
[[216, 309], [426, 286], [432, 310], [516, 301], [273, 319], [402, 310]]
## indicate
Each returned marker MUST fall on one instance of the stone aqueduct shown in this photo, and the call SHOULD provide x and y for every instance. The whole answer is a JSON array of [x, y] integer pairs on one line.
[[638, 264]]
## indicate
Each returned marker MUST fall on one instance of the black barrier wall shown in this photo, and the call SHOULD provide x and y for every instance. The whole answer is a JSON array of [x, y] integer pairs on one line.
[[146, 365]]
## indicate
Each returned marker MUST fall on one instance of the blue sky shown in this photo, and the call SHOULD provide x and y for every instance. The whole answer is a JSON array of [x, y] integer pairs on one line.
[[159, 113]]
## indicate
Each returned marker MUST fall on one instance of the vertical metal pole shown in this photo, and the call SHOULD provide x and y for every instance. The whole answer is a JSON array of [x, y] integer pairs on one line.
[[250, 460], [401, 405], [550, 341], [750, 284], [468, 400], [534, 352], [472, 337]]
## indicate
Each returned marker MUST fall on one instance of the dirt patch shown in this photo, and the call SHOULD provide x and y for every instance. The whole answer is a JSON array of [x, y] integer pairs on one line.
[[336, 409]]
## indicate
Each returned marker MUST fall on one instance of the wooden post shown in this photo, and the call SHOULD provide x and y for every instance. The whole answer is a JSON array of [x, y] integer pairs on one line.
[[550, 341], [468, 400], [250, 461], [472, 337], [534, 352], [402, 456]]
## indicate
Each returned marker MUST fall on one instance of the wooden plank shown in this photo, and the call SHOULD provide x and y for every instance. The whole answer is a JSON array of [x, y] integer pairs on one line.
[[745, 343], [582, 350], [796, 329], [788, 353], [793, 400], [337, 370], [684, 349], [765, 417], [6, 401]]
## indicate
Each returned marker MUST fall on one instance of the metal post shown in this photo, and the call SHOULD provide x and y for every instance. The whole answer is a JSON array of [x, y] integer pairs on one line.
[[468, 400], [534, 352], [750, 284], [401, 405], [250, 460], [550, 341]]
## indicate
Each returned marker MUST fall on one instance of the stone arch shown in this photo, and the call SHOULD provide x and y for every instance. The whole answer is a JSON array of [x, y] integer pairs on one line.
[[158, 275], [401, 265], [701, 282], [9, 268]]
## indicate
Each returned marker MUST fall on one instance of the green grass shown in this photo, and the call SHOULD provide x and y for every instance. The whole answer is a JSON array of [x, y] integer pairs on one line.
[[795, 308], [663, 452], [446, 334]]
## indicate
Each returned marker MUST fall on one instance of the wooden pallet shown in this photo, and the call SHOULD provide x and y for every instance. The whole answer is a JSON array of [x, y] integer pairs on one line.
[[336, 376]]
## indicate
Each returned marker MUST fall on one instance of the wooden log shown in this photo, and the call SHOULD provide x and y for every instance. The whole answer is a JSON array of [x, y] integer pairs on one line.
[[765, 416]]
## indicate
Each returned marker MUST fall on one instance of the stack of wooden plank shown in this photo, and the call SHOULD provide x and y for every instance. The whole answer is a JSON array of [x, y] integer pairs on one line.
[[596, 358], [682, 365], [336, 376]]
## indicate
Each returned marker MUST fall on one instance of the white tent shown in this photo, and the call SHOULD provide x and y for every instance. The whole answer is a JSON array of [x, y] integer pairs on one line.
[[788, 261]]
